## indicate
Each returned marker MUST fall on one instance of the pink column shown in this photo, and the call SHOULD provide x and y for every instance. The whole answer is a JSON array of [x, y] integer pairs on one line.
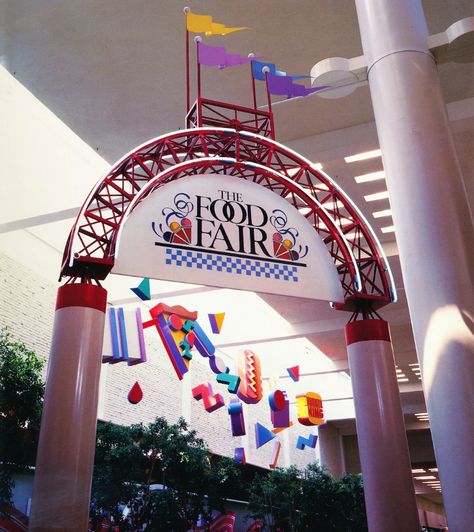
[[62, 483], [434, 232], [388, 484]]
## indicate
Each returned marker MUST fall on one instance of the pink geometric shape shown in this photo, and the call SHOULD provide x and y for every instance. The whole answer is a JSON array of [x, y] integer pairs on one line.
[[294, 373], [211, 401]]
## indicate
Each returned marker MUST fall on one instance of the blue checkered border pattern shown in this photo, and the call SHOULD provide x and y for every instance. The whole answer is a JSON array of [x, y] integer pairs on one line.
[[220, 263]]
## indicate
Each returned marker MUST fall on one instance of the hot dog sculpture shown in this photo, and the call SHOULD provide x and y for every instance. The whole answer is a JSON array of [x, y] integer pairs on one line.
[[248, 367]]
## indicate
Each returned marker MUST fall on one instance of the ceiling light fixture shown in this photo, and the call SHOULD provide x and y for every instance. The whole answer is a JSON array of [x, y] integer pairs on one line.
[[388, 229], [382, 214], [377, 196], [362, 156], [372, 176]]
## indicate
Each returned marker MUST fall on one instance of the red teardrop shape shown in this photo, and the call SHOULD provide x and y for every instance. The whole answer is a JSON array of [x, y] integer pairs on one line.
[[135, 395]]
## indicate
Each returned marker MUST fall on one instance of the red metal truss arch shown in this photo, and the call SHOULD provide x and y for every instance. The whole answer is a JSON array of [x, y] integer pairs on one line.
[[356, 252]]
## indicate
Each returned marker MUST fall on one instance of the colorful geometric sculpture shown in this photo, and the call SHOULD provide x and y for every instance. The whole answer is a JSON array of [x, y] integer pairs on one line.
[[216, 321], [277, 400], [294, 373], [239, 455], [279, 429], [248, 368], [123, 337], [310, 409], [135, 395], [236, 414], [143, 290], [303, 442], [202, 342], [275, 454], [210, 400], [169, 322], [218, 365], [262, 435], [233, 381], [280, 409], [187, 344]]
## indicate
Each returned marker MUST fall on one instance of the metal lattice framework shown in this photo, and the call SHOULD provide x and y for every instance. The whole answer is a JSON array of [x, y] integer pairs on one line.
[[357, 255]]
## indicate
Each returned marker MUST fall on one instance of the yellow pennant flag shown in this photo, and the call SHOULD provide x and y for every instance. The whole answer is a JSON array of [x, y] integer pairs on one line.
[[204, 24]]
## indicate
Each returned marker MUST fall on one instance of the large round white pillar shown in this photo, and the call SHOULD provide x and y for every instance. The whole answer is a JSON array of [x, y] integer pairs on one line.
[[388, 485], [63, 476], [434, 232], [331, 450]]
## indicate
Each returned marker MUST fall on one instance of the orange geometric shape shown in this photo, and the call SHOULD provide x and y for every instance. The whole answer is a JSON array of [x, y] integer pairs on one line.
[[248, 367], [310, 409]]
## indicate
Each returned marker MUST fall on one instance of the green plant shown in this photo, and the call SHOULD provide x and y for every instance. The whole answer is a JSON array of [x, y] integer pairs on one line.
[[187, 481], [290, 499], [21, 401]]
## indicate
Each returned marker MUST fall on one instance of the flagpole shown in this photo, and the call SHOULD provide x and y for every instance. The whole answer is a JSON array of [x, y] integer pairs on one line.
[[197, 40], [266, 70], [251, 56], [186, 11]]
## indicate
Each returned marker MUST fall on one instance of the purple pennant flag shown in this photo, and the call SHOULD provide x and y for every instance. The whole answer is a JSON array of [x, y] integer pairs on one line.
[[284, 86], [218, 57], [280, 85], [211, 55]]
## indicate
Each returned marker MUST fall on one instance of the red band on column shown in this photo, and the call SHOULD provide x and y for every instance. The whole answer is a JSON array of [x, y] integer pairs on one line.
[[82, 295], [365, 330]]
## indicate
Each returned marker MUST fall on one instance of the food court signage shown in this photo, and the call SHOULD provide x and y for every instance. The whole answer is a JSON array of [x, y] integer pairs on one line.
[[222, 231]]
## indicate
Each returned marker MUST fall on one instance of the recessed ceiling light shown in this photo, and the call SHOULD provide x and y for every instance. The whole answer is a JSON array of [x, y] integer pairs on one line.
[[362, 156], [426, 477], [403, 380], [434, 469], [317, 166], [372, 176], [382, 214], [388, 229], [377, 196], [417, 470]]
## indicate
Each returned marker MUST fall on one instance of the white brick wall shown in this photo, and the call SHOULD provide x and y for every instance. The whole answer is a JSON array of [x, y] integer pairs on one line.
[[26, 305]]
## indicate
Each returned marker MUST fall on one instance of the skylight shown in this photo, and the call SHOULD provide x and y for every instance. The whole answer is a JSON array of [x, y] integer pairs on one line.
[[372, 176], [362, 156]]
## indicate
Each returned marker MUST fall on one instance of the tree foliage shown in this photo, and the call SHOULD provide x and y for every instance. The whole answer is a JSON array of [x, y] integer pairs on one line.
[[130, 461], [293, 500], [21, 401]]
